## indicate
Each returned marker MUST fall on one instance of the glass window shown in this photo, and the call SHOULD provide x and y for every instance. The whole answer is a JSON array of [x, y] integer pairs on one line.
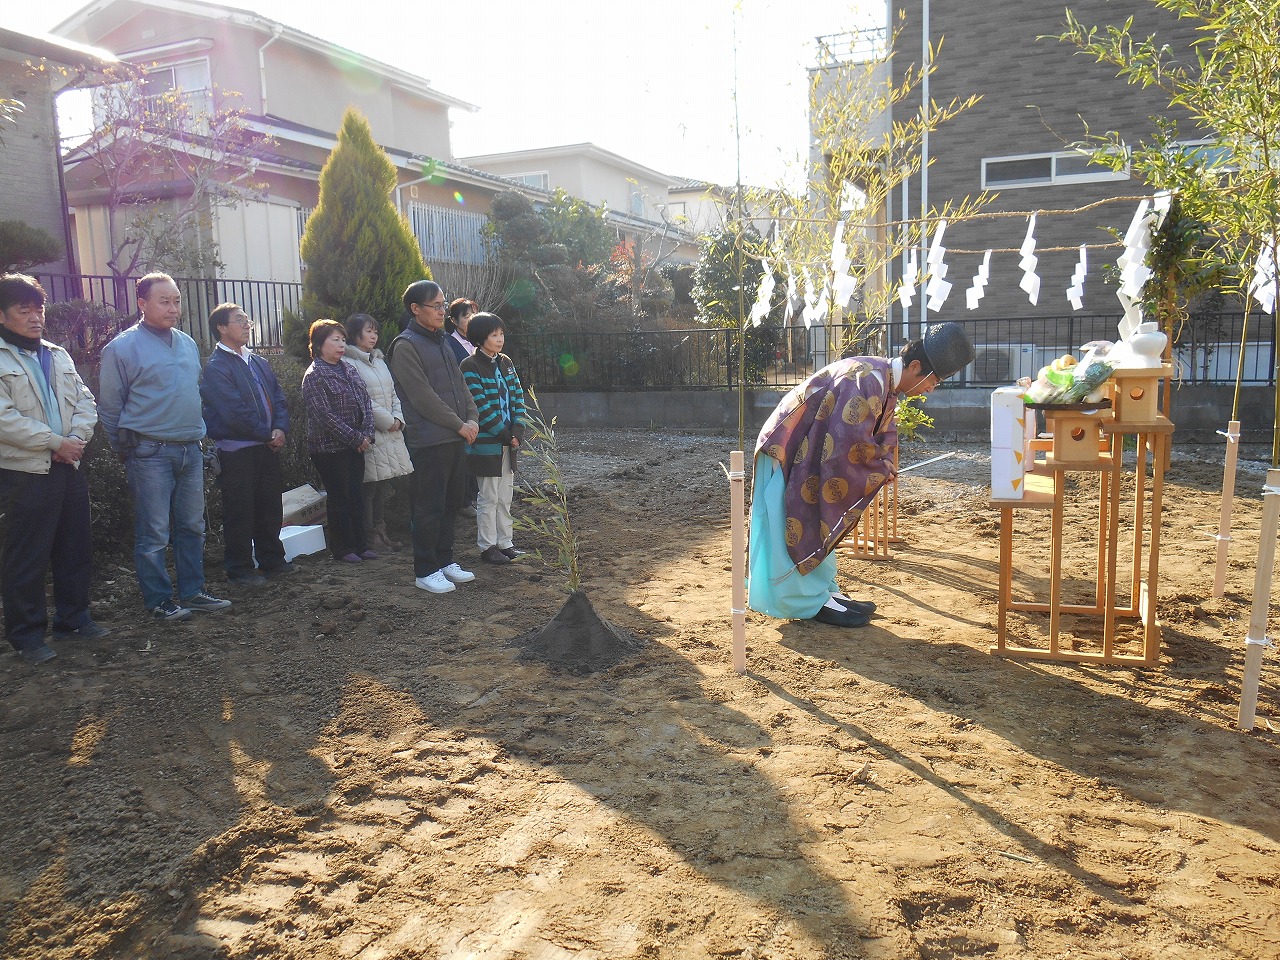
[[1046, 169], [540, 180], [1023, 170]]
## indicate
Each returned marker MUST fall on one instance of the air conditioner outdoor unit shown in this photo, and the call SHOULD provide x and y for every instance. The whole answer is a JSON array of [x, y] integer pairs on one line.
[[1003, 363]]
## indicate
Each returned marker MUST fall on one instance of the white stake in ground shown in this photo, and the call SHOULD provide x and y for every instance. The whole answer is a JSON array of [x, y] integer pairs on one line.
[[1256, 641], [737, 500], [1228, 498]]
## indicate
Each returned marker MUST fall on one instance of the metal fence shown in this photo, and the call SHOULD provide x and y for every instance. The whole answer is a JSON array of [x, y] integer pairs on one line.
[[1208, 348], [1008, 348], [264, 300]]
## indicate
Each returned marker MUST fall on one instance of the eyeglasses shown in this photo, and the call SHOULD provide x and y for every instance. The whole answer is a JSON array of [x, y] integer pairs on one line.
[[243, 321], [434, 306]]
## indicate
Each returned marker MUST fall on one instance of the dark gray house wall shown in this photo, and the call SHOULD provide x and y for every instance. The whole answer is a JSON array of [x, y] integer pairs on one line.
[[29, 155], [1037, 97]]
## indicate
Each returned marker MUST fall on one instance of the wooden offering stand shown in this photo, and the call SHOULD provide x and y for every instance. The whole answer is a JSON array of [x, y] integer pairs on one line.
[[1092, 441]]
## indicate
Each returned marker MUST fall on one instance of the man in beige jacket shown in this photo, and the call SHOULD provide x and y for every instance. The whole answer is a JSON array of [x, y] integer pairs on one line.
[[47, 416]]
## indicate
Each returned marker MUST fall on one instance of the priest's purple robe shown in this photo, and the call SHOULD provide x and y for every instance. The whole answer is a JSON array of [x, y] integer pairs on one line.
[[834, 436]]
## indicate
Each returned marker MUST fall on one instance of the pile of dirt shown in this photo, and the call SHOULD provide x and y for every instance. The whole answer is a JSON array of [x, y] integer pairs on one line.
[[578, 640]]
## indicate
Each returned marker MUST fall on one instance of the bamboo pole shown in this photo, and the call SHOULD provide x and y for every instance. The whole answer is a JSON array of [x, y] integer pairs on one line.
[[1256, 640], [1228, 498], [737, 481]]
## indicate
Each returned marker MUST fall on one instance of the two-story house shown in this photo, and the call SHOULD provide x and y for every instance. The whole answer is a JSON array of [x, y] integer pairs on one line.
[[295, 88], [636, 196]]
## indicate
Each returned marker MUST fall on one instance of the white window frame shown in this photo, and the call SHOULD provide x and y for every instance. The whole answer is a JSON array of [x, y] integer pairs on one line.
[[1054, 179], [171, 67], [1196, 146], [543, 178]]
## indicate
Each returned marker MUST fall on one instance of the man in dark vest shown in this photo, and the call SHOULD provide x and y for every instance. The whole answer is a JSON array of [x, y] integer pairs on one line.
[[440, 419]]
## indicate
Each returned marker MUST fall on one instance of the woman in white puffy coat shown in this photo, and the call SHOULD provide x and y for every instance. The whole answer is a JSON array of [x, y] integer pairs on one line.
[[388, 457]]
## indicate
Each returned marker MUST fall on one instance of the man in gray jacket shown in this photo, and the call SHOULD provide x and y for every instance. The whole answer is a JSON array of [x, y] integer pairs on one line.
[[150, 409], [440, 418], [46, 419]]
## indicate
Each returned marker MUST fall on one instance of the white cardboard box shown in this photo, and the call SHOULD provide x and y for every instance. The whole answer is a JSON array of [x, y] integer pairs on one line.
[[302, 541]]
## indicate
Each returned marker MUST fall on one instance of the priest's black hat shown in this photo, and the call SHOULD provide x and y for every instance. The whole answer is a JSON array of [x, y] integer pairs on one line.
[[948, 348]]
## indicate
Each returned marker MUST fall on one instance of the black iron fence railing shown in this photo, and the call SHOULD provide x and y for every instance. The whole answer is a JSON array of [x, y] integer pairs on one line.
[[264, 300], [1208, 349]]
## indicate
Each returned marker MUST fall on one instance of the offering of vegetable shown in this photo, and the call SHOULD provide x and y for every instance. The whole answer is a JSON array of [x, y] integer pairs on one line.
[[1066, 380], [1086, 379]]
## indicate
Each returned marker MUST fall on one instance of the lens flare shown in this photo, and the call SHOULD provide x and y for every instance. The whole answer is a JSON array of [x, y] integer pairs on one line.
[[461, 200]]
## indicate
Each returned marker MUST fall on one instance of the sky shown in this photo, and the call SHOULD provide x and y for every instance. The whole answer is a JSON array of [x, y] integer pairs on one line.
[[653, 82]]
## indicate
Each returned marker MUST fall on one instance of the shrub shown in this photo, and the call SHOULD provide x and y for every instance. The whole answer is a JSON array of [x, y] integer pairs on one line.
[[23, 246], [359, 250], [295, 462], [293, 334], [83, 328]]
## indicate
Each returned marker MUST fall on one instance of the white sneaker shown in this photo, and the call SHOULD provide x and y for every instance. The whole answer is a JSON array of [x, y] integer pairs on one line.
[[457, 575], [435, 582]]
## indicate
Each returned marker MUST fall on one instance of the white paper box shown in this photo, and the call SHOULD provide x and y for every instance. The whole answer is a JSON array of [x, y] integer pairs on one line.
[[302, 541], [1009, 416], [1008, 474]]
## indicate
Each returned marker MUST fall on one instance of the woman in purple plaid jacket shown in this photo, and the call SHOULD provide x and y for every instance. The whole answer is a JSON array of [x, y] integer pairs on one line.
[[339, 430]]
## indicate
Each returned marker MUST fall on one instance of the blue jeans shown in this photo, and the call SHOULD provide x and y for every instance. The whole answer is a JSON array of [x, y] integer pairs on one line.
[[167, 479]]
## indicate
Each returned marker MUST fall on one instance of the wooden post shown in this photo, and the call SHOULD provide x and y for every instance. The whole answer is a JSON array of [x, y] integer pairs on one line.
[[1256, 641], [1228, 497], [737, 499]]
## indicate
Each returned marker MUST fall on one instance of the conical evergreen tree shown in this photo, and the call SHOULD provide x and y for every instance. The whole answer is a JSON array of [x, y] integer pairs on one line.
[[359, 250]]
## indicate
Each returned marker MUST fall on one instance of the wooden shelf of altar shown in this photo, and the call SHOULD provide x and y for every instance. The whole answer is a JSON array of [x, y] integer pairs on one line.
[[1037, 494], [1161, 424]]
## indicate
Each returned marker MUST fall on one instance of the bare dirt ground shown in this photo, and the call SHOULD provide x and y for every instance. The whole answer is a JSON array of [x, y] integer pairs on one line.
[[347, 767]]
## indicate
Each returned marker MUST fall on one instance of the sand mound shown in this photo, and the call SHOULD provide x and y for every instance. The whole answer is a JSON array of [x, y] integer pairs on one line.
[[578, 640]]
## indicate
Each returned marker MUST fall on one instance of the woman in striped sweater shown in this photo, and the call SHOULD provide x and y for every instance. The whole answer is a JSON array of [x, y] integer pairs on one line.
[[491, 377]]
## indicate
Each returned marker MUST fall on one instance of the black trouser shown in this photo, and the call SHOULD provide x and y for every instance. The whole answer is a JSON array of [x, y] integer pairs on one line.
[[252, 511], [48, 522], [439, 492], [343, 476]]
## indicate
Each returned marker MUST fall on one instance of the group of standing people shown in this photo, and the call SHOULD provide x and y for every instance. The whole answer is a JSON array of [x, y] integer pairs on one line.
[[370, 419], [427, 409]]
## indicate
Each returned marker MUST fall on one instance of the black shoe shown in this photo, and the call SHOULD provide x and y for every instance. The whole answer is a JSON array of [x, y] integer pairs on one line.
[[862, 606], [286, 567], [40, 653], [169, 612], [847, 618], [90, 631], [204, 602], [246, 579], [513, 552], [495, 556]]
